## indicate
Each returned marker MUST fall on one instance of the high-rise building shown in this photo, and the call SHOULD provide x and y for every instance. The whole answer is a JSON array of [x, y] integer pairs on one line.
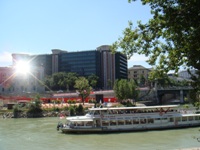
[[100, 62]]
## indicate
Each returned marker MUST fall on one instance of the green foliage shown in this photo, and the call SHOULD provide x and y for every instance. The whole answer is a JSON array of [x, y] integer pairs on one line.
[[35, 107], [91, 101], [71, 101], [125, 89], [83, 88], [79, 110], [72, 111], [93, 80], [70, 79], [56, 109], [61, 80], [170, 39], [128, 103], [16, 110]]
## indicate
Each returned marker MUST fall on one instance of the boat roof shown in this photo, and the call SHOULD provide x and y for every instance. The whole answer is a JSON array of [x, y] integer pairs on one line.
[[80, 120], [141, 107]]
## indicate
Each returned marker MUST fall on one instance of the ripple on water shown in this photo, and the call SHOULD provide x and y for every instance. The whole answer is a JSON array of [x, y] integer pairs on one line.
[[41, 134]]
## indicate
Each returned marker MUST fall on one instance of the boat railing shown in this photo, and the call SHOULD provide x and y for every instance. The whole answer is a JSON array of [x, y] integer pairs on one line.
[[188, 111]]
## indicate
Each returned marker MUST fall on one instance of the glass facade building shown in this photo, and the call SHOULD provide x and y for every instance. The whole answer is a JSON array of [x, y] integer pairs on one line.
[[100, 62], [84, 63]]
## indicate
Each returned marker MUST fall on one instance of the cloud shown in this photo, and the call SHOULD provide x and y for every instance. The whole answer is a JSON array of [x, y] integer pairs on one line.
[[137, 59], [5, 59]]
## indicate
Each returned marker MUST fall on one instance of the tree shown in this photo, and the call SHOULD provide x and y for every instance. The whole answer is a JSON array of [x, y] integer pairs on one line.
[[58, 80], [70, 79], [125, 89], [170, 39], [35, 107], [93, 80], [61, 80], [83, 88]]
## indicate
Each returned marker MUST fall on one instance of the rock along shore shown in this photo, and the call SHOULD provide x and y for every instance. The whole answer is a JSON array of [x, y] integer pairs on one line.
[[44, 114]]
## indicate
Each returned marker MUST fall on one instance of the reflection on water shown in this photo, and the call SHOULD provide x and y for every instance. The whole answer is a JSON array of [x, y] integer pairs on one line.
[[41, 134]]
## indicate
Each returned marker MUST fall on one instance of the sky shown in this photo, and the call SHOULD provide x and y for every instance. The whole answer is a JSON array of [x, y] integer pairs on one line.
[[38, 26]]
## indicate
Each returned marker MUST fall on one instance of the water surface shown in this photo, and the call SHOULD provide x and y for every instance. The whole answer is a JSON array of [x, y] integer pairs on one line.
[[41, 134]]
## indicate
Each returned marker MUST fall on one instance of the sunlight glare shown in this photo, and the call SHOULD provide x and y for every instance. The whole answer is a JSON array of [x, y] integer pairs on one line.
[[22, 67]]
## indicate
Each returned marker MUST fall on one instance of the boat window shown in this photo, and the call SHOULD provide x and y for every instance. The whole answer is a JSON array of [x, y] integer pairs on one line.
[[178, 119], [197, 117], [150, 120], [104, 112], [105, 123], [184, 118], [91, 112], [190, 118], [96, 112], [171, 119], [113, 123], [136, 121], [120, 122], [80, 124], [157, 120], [89, 123], [121, 112], [164, 120], [128, 122], [142, 121]]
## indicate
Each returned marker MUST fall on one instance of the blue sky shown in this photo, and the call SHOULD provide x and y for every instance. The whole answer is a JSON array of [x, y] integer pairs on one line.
[[37, 26]]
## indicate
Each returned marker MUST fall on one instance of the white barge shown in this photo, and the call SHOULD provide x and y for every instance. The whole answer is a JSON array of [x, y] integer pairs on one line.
[[119, 119]]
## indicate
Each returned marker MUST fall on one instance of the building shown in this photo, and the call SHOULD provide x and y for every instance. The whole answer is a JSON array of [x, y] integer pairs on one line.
[[113, 66], [137, 72], [6, 77], [43, 60], [12, 82], [186, 75], [100, 62]]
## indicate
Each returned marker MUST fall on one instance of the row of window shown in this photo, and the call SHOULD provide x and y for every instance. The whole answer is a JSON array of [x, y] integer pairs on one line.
[[149, 120]]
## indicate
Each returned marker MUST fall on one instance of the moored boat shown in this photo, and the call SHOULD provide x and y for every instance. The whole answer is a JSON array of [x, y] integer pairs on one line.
[[119, 119]]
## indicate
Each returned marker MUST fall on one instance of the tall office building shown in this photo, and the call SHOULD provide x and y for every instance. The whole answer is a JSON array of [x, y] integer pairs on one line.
[[100, 62], [113, 66]]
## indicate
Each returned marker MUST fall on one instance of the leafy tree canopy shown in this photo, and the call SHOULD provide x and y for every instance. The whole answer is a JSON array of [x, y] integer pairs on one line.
[[93, 79], [170, 39], [61, 80], [125, 89], [83, 88]]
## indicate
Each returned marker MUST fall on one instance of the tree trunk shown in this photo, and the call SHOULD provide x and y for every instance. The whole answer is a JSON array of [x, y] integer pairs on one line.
[[83, 100]]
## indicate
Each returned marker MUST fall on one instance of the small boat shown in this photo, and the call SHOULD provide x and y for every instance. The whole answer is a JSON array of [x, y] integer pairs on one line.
[[125, 119]]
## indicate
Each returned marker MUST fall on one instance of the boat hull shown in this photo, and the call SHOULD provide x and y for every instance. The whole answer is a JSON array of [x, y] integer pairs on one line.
[[112, 130]]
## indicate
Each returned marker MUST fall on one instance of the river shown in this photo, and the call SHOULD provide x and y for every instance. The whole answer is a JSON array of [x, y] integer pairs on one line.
[[41, 134]]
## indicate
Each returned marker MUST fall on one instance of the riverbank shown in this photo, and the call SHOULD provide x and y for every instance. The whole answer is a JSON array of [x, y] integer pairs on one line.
[[49, 110], [44, 114]]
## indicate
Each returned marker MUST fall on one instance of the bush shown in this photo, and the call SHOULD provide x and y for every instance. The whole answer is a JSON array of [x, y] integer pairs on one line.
[[127, 103], [35, 108], [80, 110], [69, 101], [91, 101], [16, 111], [72, 110]]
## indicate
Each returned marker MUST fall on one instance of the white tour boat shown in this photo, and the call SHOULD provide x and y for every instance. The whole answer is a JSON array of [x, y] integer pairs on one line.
[[118, 119]]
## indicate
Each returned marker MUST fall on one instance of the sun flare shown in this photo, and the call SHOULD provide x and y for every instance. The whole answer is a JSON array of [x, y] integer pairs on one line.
[[22, 67]]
